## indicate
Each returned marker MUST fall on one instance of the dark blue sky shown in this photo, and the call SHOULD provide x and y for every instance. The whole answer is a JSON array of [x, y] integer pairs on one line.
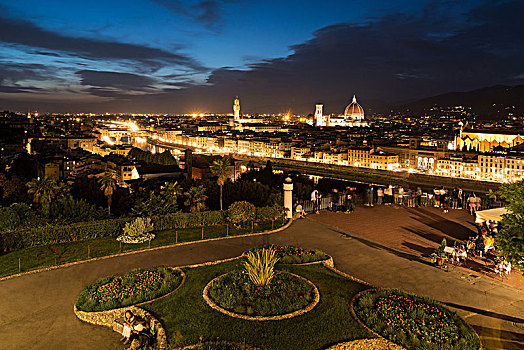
[[174, 56]]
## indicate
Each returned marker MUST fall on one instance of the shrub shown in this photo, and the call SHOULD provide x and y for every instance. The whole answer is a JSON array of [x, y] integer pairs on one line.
[[50, 234], [269, 213], [134, 287], [260, 266], [241, 212], [137, 231]]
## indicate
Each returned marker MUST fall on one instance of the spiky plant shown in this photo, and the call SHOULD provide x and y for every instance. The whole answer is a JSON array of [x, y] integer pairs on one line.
[[260, 266]]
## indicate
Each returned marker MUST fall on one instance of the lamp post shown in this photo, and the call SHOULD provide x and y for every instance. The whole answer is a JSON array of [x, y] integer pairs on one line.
[[288, 197]]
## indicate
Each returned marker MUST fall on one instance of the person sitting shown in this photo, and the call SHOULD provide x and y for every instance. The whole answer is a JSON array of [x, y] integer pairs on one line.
[[129, 322], [300, 211], [489, 243], [470, 246], [479, 245], [141, 333]]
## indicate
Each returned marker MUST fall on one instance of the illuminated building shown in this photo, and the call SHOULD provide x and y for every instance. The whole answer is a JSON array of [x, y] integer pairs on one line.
[[353, 116], [486, 140], [368, 157]]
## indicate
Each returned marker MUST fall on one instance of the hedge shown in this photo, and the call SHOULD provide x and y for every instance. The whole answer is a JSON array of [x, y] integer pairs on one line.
[[52, 234]]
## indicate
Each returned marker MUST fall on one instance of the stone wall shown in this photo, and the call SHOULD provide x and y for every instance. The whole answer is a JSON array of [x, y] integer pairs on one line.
[[107, 319]]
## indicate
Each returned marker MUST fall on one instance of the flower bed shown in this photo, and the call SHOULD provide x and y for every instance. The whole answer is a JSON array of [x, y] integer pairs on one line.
[[285, 294], [134, 287], [365, 344], [135, 239], [296, 255], [414, 322], [220, 345]]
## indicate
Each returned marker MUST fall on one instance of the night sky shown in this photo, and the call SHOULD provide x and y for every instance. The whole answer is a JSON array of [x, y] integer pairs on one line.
[[170, 56]]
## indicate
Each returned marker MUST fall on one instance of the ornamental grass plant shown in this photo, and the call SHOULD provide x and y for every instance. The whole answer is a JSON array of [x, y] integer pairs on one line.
[[260, 266]]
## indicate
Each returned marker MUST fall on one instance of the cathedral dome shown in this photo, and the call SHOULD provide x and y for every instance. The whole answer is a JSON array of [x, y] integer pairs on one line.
[[354, 110]]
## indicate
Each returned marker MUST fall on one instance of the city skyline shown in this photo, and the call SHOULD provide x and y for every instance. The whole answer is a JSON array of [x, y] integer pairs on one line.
[[162, 56]]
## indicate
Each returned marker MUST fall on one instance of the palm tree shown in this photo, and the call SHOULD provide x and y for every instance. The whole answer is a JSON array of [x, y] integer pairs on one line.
[[45, 191], [220, 168], [195, 199], [108, 185], [169, 193]]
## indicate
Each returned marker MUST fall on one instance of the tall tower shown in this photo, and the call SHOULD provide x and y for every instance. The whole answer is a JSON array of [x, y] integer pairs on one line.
[[236, 109], [318, 115]]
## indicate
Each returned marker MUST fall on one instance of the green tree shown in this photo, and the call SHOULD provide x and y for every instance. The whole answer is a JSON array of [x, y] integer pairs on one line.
[[220, 168], [108, 185], [240, 213], [196, 199], [45, 191], [510, 238], [169, 193]]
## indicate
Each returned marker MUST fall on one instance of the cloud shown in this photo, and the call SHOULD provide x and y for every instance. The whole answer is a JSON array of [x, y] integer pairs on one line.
[[207, 12], [393, 57], [122, 81], [21, 32]]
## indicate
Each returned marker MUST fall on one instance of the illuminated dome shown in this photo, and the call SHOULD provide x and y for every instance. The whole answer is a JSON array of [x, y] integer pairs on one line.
[[354, 110]]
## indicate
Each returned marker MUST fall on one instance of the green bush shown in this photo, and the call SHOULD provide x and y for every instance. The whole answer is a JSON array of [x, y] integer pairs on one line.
[[409, 320], [241, 212], [131, 288], [269, 213], [50, 234]]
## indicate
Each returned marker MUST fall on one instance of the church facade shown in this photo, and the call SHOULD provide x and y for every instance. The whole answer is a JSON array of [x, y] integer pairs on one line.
[[353, 116]]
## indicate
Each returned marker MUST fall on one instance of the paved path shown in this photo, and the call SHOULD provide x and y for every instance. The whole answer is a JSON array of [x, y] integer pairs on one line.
[[36, 310]]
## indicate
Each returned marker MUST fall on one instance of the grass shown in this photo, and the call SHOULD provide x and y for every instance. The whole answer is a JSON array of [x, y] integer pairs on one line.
[[38, 257], [189, 320]]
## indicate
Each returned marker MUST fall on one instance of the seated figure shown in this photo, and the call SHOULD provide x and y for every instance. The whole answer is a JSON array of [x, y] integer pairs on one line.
[[129, 323]]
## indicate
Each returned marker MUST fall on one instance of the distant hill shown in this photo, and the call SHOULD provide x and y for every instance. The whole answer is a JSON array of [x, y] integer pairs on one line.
[[494, 102]]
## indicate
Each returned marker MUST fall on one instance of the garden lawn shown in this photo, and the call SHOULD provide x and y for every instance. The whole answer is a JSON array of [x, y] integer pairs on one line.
[[37, 257], [188, 319]]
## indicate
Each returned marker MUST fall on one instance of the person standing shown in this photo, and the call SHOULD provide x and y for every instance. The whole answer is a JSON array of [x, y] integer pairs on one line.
[[388, 195], [335, 200], [419, 196], [380, 195], [369, 195], [349, 200], [454, 198], [314, 201], [460, 196], [444, 199], [400, 195]]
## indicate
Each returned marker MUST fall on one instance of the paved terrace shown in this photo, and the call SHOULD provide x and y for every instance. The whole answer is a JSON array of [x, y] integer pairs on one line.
[[416, 231], [37, 310]]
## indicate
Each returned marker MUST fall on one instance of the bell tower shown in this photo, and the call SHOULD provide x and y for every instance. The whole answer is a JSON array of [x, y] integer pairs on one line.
[[236, 109]]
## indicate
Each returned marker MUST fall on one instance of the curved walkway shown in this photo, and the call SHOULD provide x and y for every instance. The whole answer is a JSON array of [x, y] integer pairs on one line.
[[36, 311]]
